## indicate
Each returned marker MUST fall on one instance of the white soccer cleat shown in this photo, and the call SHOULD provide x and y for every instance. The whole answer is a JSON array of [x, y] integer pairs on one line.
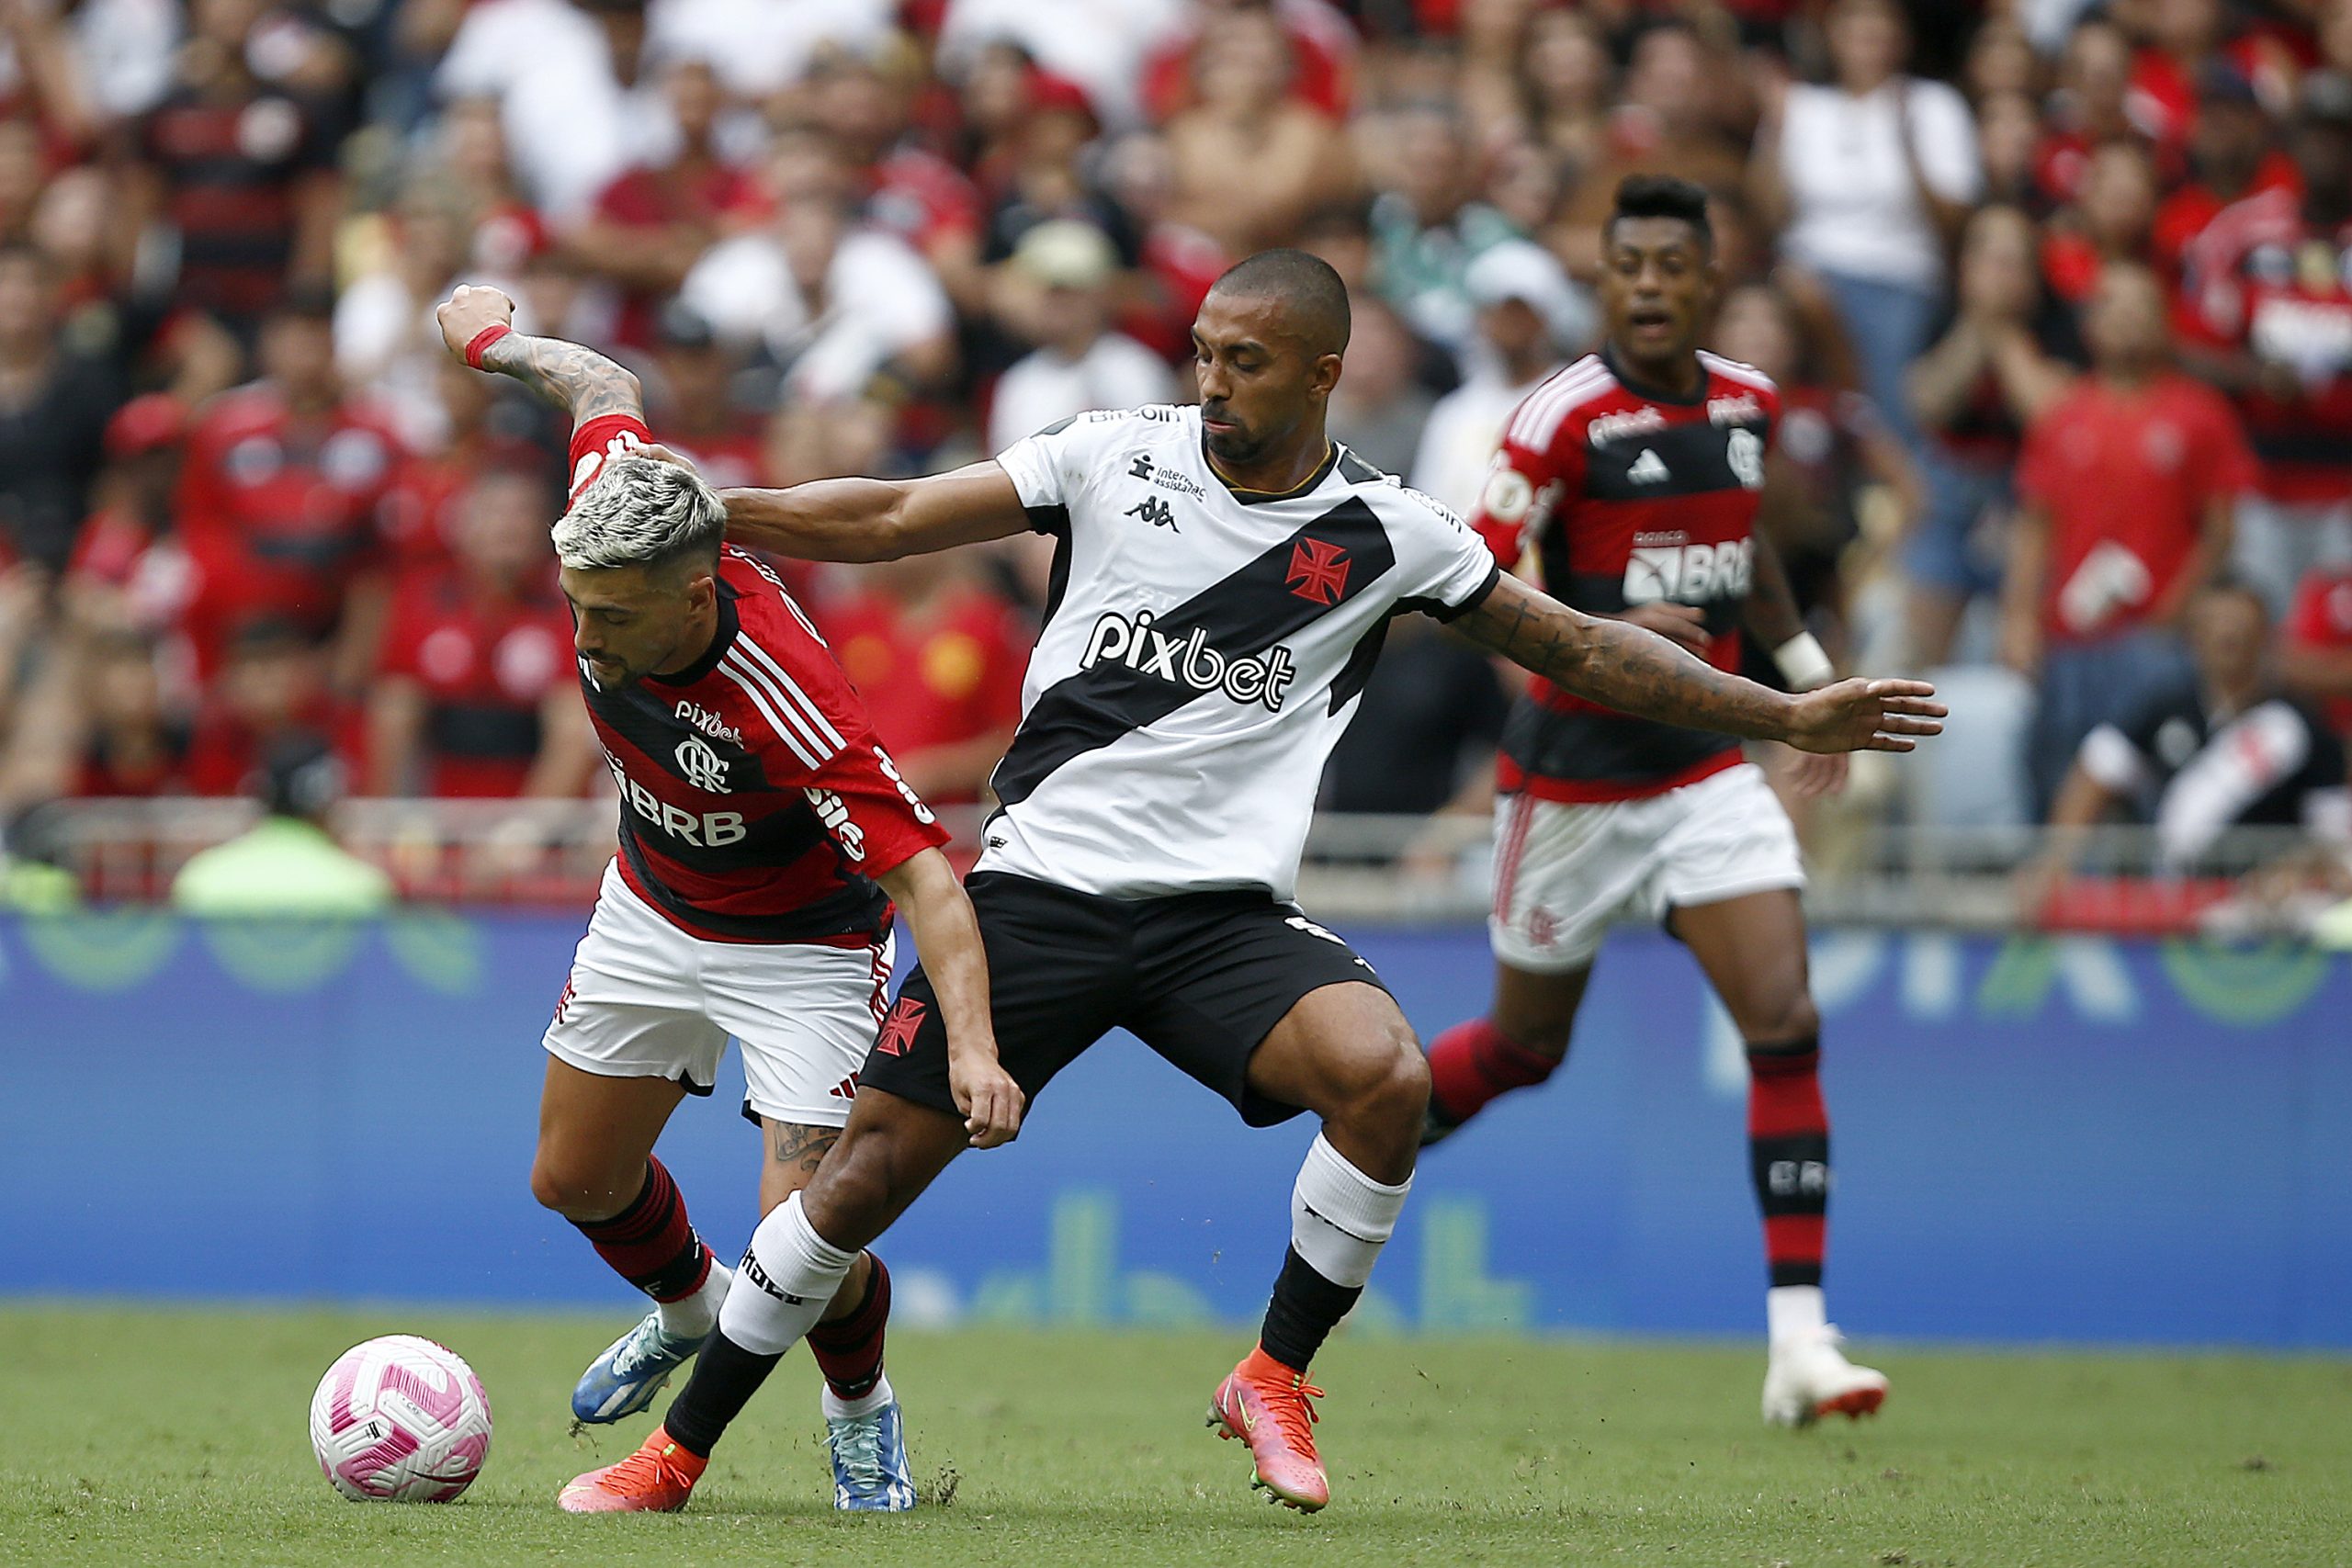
[[1809, 1377]]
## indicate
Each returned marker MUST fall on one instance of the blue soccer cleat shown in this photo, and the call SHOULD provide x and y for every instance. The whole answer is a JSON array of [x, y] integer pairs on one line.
[[870, 1473], [633, 1368]]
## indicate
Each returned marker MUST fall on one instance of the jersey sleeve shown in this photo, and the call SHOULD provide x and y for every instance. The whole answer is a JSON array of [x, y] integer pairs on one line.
[[600, 439], [873, 814], [1048, 470], [1447, 569], [1535, 466]]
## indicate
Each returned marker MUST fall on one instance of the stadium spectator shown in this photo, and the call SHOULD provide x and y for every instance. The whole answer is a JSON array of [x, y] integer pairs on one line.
[[54, 405], [1425, 225], [2184, 39], [287, 866], [2270, 286], [1991, 374], [2315, 658], [1872, 175], [2128, 483], [279, 499], [1244, 117], [1379, 407], [838, 305], [650, 225], [2232, 154], [761, 48], [271, 687], [1177, 263], [385, 345], [239, 173], [2112, 218], [579, 99], [1065, 268], [1667, 123], [1319, 41], [938, 657], [1102, 45], [2091, 108], [691, 391], [134, 742], [129, 570], [2210, 747], [475, 692], [1530, 318]]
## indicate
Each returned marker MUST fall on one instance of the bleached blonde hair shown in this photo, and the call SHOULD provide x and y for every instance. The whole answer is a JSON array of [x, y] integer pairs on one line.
[[641, 512]]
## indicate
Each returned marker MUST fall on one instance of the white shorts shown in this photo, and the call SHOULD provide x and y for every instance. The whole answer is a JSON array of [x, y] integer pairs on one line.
[[646, 1000], [1564, 871]]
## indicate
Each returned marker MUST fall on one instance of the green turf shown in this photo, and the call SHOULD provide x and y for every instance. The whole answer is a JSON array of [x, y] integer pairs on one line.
[[178, 1437]]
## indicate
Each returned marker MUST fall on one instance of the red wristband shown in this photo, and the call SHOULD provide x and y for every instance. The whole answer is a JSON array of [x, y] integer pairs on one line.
[[482, 341]]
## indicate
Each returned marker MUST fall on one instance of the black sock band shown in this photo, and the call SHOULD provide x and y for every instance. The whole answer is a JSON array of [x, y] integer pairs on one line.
[[726, 1376], [1305, 1310]]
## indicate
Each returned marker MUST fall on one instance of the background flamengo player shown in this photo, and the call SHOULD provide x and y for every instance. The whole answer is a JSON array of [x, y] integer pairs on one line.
[[1636, 472], [763, 833], [1224, 575]]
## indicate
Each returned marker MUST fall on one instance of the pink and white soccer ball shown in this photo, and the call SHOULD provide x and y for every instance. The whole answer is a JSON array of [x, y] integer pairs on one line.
[[401, 1420]]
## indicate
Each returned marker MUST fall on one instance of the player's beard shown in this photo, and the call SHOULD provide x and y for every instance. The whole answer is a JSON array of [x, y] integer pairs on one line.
[[1236, 447]]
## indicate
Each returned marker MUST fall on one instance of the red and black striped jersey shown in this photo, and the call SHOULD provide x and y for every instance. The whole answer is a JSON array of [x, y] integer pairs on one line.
[[1629, 496], [756, 805]]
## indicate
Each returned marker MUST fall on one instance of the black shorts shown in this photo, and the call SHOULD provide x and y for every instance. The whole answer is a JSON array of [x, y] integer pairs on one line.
[[1200, 977]]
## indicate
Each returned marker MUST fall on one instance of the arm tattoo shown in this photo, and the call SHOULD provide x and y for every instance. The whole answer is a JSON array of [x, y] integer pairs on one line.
[[798, 1147], [1620, 665], [566, 375]]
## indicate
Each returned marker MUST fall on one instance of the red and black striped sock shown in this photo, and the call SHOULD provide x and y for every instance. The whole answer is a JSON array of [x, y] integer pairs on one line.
[[1788, 1151], [651, 1244], [848, 1349], [1474, 1062]]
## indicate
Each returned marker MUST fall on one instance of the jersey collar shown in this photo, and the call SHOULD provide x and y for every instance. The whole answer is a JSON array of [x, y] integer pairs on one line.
[[1261, 497], [730, 623], [1642, 389]]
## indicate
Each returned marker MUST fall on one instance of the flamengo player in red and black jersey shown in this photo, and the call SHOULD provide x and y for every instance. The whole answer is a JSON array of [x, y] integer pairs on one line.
[[763, 836], [1637, 474]]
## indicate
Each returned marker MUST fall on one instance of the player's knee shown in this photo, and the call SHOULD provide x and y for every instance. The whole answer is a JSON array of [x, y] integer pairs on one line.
[[1390, 1084], [580, 1190], [1789, 1022]]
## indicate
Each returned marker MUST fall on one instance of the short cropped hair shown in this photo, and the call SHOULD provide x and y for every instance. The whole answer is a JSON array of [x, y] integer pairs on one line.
[[641, 511], [1664, 195], [1312, 292]]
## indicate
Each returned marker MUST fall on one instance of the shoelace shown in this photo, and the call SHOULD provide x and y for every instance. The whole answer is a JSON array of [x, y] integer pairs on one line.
[[1286, 1403], [642, 1471], [643, 1346], [859, 1444]]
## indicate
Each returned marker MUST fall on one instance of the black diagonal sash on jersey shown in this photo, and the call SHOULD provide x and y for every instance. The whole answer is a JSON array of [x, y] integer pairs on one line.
[[1243, 616]]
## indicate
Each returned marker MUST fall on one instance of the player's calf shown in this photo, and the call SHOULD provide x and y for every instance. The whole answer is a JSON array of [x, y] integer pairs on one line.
[[651, 1243]]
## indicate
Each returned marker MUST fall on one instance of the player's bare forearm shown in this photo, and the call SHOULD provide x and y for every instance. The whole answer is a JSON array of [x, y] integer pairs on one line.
[[947, 933], [1621, 664], [1769, 613], [1636, 671], [579, 380], [868, 520]]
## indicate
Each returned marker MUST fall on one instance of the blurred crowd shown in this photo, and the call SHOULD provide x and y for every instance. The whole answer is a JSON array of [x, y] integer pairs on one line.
[[2059, 292]]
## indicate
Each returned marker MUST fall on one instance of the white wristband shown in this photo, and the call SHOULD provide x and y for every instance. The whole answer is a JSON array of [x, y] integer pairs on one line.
[[1802, 663]]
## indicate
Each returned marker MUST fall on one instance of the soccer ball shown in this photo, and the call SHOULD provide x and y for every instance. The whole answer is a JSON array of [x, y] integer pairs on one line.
[[400, 1420]]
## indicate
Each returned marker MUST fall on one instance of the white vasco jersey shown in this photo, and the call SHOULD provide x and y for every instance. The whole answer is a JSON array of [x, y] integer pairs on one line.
[[1202, 651]]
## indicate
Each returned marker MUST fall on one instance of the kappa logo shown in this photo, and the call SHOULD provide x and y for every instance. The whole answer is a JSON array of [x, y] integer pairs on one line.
[[1156, 511], [703, 766], [1650, 468], [1318, 571], [898, 1030]]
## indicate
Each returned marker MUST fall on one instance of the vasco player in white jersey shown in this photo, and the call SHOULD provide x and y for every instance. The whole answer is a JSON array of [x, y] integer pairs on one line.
[[1637, 472], [1222, 576], [763, 834]]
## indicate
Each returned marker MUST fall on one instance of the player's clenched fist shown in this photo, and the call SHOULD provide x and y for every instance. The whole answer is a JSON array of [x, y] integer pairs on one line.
[[465, 314], [989, 1098]]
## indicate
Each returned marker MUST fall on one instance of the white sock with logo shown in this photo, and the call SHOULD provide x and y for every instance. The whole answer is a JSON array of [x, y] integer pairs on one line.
[[785, 1282], [1339, 1218], [691, 1317], [1795, 1313]]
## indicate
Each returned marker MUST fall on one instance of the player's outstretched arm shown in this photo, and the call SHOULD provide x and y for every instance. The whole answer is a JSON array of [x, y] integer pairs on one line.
[[861, 520], [578, 379], [1638, 671], [948, 934]]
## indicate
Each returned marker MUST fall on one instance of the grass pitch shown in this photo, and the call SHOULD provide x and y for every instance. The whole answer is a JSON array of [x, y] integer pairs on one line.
[[168, 1437]]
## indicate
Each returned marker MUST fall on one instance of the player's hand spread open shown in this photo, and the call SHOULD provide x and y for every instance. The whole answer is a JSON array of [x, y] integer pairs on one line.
[[992, 1102], [1864, 715]]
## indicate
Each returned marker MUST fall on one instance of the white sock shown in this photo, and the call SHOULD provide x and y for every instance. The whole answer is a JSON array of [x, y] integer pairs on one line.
[[788, 1279], [873, 1399], [696, 1315], [1793, 1312], [1340, 1217]]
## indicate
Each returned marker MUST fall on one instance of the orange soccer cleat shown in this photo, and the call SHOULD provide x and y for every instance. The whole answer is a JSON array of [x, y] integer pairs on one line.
[[1268, 1405], [657, 1479]]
